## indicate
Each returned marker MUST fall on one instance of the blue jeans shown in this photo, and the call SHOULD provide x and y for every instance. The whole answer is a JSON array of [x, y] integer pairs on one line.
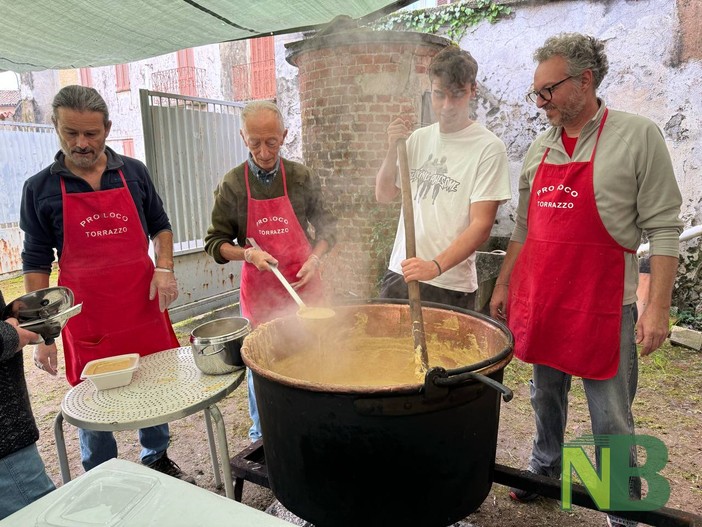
[[255, 430], [97, 447], [609, 402], [23, 480]]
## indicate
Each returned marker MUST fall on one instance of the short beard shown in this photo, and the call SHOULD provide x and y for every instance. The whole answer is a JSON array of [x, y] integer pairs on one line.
[[569, 112], [83, 162]]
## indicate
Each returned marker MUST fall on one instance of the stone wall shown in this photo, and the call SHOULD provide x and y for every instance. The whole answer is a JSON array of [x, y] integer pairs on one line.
[[288, 97]]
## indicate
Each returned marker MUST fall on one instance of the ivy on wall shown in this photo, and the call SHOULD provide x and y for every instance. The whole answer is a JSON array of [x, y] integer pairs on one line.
[[381, 241], [454, 19], [687, 294]]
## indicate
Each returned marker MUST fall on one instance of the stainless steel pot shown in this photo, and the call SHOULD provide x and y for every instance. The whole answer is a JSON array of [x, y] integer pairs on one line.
[[217, 344]]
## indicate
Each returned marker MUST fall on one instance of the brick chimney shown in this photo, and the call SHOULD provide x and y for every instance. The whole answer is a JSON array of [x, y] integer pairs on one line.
[[352, 84]]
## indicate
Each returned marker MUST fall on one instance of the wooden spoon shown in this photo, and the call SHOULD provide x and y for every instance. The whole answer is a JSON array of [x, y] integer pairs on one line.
[[420, 343]]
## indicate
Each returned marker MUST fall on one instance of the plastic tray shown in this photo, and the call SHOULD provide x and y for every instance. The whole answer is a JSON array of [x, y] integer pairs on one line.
[[106, 499], [111, 372]]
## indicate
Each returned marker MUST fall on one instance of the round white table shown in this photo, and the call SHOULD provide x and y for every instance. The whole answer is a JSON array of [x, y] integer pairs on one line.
[[167, 386]]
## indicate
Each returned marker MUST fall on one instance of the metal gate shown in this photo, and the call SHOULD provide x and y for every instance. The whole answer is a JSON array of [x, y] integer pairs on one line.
[[190, 143], [24, 150]]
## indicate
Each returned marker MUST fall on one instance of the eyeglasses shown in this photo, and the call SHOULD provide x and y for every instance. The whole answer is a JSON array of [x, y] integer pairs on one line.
[[545, 93]]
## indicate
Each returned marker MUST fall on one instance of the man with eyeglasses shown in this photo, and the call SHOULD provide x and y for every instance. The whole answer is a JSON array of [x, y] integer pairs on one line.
[[278, 203], [459, 177], [589, 187]]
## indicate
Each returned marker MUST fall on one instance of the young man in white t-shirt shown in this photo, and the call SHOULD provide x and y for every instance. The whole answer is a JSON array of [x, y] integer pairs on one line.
[[459, 177]]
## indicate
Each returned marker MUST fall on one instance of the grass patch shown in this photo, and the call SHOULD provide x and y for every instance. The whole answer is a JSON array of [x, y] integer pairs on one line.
[[14, 287]]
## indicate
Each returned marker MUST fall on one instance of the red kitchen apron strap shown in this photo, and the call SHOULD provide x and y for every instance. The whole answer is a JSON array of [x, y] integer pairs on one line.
[[567, 287], [117, 315], [274, 226]]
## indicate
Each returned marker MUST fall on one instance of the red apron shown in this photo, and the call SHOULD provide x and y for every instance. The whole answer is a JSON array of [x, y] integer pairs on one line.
[[274, 226], [566, 290], [105, 262]]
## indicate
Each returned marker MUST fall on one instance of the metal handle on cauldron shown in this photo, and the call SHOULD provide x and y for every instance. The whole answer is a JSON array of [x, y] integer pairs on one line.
[[454, 380]]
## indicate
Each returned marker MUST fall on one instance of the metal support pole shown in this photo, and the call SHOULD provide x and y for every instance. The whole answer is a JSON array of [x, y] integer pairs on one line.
[[61, 448]]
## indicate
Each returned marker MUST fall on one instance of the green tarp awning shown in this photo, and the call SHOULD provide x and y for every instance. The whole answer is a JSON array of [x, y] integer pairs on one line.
[[60, 34]]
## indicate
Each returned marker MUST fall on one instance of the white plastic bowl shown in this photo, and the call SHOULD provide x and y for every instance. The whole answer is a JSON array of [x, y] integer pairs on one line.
[[111, 372]]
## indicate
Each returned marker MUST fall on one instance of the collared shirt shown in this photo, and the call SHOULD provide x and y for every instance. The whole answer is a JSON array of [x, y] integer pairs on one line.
[[264, 176], [41, 210], [230, 211]]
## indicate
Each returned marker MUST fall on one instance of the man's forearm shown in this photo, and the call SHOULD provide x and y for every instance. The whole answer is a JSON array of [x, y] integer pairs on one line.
[[513, 250], [163, 248], [34, 281], [385, 188], [230, 252], [482, 218], [663, 272], [321, 248]]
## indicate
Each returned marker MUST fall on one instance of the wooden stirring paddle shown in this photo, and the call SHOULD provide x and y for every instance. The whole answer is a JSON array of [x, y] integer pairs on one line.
[[415, 303]]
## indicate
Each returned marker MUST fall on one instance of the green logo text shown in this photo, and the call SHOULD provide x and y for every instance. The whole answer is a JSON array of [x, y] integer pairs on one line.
[[609, 486]]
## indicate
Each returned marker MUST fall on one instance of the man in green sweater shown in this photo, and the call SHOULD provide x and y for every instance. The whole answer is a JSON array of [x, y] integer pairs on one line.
[[589, 187], [278, 203]]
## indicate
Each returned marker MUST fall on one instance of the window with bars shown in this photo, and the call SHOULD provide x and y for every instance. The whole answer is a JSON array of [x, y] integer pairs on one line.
[[184, 81], [255, 79], [122, 77], [86, 77], [187, 73], [128, 147]]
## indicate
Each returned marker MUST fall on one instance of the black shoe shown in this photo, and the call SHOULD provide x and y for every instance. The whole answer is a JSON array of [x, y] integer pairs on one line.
[[169, 467], [614, 521], [522, 496]]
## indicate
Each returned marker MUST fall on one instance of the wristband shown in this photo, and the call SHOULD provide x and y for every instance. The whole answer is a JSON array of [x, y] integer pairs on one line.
[[315, 258], [502, 283], [438, 267], [163, 269]]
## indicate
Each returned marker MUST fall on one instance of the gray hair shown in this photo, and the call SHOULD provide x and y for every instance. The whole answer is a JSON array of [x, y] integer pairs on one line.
[[454, 66], [581, 52], [82, 99], [254, 107]]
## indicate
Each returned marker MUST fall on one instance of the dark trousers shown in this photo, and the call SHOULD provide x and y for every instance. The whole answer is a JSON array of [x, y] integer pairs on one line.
[[394, 286]]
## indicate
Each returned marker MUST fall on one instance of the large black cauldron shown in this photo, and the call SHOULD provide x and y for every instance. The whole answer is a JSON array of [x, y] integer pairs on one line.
[[415, 455]]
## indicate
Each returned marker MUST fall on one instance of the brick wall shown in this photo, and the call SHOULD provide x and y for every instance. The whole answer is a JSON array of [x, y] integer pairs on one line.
[[690, 16], [352, 85]]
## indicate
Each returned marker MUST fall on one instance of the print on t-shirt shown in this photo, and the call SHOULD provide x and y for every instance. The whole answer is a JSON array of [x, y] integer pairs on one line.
[[433, 175]]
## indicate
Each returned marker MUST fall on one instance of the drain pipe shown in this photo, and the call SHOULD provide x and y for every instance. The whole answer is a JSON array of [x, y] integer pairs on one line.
[[687, 234]]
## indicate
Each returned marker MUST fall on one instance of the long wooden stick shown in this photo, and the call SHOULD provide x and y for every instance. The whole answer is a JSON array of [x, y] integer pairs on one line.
[[420, 343]]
